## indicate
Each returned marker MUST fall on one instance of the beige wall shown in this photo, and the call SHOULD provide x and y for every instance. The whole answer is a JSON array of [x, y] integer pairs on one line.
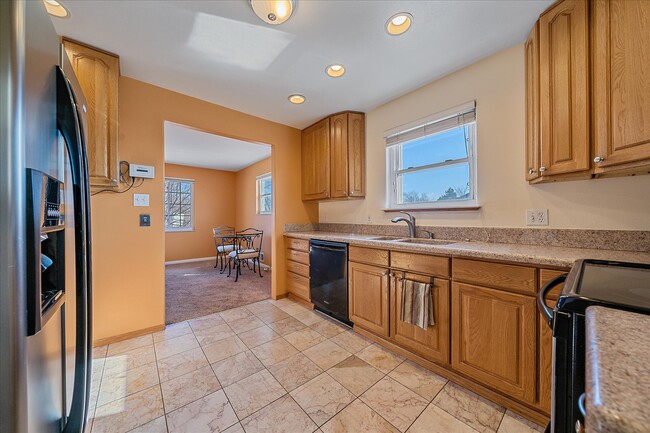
[[214, 198], [128, 260], [497, 85], [246, 204]]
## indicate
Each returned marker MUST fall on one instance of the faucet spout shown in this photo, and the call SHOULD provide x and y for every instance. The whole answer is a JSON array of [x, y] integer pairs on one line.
[[409, 220]]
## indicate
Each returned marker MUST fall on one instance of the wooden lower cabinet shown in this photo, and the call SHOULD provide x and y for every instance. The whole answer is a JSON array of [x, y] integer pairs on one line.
[[431, 343], [494, 339], [368, 297]]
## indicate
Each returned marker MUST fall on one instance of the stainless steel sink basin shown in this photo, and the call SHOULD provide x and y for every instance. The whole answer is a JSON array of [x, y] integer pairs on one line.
[[381, 238], [425, 241]]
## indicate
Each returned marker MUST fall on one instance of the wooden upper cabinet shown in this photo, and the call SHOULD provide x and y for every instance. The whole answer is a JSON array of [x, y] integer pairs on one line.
[[431, 343], [564, 88], [494, 339], [531, 49], [98, 74], [343, 174], [339, 155], [621, 87], [316, 161], [368, 297], [356, 155]]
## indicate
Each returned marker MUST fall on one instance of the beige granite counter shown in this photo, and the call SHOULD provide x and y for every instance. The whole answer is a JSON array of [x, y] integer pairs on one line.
[[617, 371], [533, 254]]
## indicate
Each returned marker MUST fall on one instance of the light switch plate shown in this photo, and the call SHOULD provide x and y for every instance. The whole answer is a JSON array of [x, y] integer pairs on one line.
[[140, 199], [536, 217]]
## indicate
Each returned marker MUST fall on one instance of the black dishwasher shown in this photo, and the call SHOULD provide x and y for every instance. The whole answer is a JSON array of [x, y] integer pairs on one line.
[[328, 284]]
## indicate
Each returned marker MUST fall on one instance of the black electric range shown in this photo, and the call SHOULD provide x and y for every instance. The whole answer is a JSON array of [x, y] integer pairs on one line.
[[609, 284]]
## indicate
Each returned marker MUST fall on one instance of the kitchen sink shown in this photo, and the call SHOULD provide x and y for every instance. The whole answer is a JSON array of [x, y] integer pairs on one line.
[[425, 241], [381, 238]]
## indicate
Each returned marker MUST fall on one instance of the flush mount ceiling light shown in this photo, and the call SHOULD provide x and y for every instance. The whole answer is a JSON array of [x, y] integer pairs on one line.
[[56, 9], [273, 11], [296, 99], [399, 23], [335, 70]]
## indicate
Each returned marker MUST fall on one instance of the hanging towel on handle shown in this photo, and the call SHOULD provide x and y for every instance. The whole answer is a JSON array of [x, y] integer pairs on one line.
[[417, 304]]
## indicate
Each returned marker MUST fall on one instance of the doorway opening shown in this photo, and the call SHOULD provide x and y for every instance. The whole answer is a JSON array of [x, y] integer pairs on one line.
[[218, 191]]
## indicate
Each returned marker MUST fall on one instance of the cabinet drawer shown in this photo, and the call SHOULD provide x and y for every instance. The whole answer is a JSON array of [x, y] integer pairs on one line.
[[298, 256], [368, 255], [425, 264], [298, 268], [298, 244], [507, 277], [298, 285]]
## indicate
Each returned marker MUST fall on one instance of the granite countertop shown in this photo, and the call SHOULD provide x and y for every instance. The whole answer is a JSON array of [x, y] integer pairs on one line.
[[534, 254], [617, 371]]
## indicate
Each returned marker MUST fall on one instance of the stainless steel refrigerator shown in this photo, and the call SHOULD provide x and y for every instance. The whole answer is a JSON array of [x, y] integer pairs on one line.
[[45, 262]]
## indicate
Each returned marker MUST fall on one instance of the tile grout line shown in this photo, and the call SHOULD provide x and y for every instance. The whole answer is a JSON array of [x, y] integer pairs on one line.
[[162, 396]]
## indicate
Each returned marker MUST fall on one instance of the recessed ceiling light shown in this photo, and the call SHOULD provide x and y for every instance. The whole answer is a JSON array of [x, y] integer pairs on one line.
[[296, 99], [335, 70], [399, 23], [56, 9], [273, 11]]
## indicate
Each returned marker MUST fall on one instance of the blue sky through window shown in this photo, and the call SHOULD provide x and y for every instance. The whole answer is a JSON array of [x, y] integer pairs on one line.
[[432, 184]]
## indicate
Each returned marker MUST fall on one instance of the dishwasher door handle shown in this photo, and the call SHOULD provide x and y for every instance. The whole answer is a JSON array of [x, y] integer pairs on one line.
[[321, 247]]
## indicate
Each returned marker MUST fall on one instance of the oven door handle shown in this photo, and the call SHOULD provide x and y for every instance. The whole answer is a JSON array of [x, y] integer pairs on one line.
[[541, 298]]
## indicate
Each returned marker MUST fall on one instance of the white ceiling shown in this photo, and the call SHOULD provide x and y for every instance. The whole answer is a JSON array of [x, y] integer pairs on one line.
[[188, 146], [221, 52]]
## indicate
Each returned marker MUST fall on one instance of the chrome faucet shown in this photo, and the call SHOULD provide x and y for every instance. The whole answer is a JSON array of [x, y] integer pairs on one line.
[[410, 221]]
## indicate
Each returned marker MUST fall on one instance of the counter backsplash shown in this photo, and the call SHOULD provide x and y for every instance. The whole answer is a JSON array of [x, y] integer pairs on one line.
[[620, 240]]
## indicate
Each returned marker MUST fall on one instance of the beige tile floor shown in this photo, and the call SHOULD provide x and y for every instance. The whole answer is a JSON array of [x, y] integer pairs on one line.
[[274, 366]]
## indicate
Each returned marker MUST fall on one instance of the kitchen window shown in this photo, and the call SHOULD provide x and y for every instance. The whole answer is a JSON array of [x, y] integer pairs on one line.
[[179, 205], [431, 163], [264, 194]]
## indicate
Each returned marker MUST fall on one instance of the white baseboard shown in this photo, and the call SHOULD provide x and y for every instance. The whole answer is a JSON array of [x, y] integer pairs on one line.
[[200, 259]]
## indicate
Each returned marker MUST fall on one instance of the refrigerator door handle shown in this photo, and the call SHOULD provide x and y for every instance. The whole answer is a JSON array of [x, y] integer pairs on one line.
[[70, 127]]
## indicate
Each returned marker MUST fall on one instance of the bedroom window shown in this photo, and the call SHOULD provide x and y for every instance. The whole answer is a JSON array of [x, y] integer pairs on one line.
[[179, 205], [431, 164]]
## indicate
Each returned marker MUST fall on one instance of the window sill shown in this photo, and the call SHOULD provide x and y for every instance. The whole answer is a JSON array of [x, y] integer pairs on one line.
[[435, 209]]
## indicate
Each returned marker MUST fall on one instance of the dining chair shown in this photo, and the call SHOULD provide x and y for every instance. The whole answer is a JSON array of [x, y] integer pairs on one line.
[[248, 246], [224, 243]]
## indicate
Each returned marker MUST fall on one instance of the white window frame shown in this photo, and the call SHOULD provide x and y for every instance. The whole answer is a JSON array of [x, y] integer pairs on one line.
[[259, 195], [393, 155], [190, 228]]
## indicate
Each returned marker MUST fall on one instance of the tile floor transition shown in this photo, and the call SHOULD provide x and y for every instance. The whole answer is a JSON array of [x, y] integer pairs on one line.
[[275, 366]]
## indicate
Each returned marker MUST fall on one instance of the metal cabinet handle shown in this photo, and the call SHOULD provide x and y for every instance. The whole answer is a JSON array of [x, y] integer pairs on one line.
[[531, 171], [598, 159], [351, 192], [542, 169]]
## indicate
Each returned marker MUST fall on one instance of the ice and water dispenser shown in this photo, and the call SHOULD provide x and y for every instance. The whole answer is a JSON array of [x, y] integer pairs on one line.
[[45, 248]]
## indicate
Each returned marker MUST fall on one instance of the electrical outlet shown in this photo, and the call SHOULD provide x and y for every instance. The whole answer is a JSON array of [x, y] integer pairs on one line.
[[140, 199], [369, 218], [536, 217], [261, 256]]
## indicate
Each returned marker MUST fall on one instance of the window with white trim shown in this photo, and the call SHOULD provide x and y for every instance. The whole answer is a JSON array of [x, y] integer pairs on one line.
[[431, 164], [179, 205], [264, 194]]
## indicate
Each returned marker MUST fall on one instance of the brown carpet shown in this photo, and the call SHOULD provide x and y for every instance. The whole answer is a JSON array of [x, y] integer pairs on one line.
[[196, 289]]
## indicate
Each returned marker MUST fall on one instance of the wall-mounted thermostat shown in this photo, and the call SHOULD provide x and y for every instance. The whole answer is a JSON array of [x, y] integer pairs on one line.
[[144, 171]]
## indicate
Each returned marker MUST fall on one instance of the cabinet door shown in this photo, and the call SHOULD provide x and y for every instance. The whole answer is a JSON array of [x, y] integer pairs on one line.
[[356, 155], [339, 155], [316, 161], [368, 288], [621, 61], [433, 342], [564, 88], [98, 74], [531, 48], [494, 339]]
